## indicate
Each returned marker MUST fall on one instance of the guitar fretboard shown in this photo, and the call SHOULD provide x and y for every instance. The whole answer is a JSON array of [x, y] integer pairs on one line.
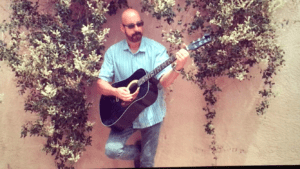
[[194, 45], [154, 72]]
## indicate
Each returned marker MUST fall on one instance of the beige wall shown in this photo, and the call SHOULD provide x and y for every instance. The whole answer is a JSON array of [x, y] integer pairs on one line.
[[242, 137]]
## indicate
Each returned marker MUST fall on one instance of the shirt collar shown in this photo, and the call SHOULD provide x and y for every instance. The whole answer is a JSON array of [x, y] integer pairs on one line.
[[142, 47]]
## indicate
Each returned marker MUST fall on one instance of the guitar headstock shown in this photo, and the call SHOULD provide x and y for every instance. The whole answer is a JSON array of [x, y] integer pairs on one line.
[[199, 42]]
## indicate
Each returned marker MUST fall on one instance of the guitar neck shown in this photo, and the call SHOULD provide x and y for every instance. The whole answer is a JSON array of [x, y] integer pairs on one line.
[[154, 72], [194, 45]]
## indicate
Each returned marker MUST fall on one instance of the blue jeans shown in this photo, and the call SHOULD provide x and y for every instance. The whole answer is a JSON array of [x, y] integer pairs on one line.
[[115, 146]]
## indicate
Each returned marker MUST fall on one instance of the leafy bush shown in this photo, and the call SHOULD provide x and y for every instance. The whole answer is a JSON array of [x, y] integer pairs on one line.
[[55, 55], [159, 9]]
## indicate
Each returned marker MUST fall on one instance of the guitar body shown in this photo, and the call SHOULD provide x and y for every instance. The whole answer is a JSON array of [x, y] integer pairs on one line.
[[115, 115]]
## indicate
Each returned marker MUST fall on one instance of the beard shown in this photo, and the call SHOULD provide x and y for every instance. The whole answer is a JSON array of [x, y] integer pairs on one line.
[[136, 37]]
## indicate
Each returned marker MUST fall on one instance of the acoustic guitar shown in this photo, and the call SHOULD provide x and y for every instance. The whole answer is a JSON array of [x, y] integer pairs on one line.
[[116, 113]]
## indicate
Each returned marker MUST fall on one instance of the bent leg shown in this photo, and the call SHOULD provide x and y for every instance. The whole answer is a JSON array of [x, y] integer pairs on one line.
[[115, 147]]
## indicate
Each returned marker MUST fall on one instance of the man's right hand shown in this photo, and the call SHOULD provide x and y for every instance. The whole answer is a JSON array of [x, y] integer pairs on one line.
[[124, 94]]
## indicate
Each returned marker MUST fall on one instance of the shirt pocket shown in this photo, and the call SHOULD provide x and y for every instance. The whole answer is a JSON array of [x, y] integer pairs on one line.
[[123, 69], [142, 61]]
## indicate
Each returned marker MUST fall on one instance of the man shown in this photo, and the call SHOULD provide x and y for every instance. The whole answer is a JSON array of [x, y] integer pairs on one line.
[[120, 61]]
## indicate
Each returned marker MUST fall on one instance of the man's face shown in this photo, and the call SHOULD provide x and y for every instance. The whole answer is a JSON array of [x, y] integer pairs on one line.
[[132, 27], [134, 31]]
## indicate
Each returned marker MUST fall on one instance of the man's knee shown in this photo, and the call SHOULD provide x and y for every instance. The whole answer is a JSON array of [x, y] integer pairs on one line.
[[113, 150]]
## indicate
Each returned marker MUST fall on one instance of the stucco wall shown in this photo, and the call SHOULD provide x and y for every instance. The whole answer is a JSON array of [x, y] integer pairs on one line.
[[242, 137]]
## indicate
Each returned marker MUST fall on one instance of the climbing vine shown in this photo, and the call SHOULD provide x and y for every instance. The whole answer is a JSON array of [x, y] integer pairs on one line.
[[1, 97], [243, 36]]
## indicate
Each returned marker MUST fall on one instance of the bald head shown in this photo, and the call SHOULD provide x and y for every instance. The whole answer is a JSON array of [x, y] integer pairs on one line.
[[132, 25], [130, 15]]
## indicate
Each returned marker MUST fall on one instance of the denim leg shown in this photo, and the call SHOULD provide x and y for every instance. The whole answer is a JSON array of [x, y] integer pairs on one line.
[[149, 145], [115, 146]]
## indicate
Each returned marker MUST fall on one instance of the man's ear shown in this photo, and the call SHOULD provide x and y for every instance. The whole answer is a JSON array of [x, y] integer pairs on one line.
[[122, 28]]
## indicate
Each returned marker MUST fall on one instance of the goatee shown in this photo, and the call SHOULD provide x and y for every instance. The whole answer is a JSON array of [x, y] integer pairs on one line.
[[136, 37]]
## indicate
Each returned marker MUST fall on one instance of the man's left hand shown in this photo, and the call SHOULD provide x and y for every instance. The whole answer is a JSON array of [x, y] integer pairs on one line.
[[182, 56]]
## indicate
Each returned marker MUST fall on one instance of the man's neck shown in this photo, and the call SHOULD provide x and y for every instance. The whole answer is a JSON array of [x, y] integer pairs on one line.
[[134, 47]]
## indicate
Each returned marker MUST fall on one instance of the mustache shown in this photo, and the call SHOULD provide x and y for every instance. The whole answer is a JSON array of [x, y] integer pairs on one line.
[[137, 33]]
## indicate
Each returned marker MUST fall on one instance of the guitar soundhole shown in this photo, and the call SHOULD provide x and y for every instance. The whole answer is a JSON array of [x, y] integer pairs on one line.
[[133, 87]]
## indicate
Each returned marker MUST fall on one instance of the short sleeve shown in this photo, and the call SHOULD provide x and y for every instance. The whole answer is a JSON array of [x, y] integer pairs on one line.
[[107, 68]]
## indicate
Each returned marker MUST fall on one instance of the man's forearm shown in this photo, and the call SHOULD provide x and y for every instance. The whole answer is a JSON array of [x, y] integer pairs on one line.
[[167, 79], [103, 87]]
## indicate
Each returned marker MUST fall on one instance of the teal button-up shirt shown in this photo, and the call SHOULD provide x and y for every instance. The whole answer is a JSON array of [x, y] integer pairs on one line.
[[120, 63]]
